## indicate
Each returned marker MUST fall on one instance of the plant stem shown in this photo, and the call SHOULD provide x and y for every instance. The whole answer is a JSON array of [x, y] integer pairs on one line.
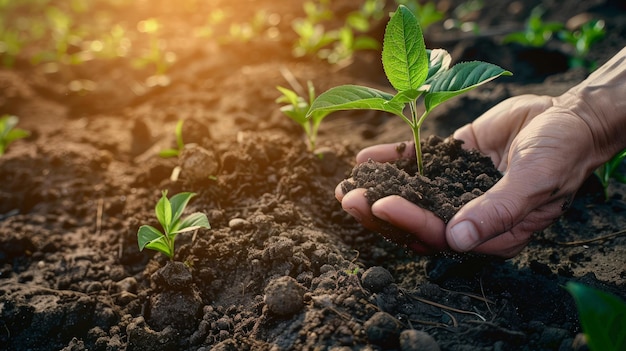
[[415, 127]]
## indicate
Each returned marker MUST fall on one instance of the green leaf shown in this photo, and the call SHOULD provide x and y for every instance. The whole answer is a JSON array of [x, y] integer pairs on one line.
[[160, 245], [439, 62], [147, 234], [354, 97], [163, 211], [405, 60], [179, 202], [406, 96], [602, 316], [168, 153], [179, 134], [194, 221], [298, 115], [459, 79], [289, 96]]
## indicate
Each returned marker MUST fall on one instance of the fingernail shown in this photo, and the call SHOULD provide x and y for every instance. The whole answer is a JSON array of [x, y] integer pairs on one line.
[[464, 236]]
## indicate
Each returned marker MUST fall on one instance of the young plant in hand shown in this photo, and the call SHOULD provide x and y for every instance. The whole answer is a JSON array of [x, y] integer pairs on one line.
[[416, 73], [169, 213]]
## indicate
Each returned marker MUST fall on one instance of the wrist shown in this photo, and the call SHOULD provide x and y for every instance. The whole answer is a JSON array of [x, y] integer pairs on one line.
[[600, 102]]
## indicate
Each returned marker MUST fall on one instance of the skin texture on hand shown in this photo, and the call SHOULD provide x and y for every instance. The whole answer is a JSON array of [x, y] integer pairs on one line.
[[545, 146]]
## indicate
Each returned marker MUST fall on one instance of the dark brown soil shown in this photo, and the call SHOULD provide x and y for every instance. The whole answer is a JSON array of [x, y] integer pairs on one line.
[[73, 195], [452, 177]]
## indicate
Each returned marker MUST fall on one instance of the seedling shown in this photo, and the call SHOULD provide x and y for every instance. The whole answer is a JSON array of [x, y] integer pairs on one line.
[[297, 110], [335, 45], [582, 39], [416, 74], [8, 132], [167, 153], [610, 169], [169, 212], [537, 32], [602, 316]]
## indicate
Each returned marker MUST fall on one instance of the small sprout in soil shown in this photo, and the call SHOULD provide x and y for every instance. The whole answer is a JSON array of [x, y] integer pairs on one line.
[[298, 108], [416, 73], [167, 153], [602, 316], [610, 169], [581, 40], [169, 212], [8, 132], [537, 32], [336, 45]]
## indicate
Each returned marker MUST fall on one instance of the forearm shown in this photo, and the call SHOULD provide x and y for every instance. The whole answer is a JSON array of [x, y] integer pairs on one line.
[[600, 100]]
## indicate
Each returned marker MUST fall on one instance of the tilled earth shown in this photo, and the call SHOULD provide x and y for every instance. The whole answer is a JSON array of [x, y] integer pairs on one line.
[[283, 267]]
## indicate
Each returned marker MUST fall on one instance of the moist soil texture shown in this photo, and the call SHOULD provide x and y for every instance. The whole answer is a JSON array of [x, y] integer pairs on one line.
[[283, 267]]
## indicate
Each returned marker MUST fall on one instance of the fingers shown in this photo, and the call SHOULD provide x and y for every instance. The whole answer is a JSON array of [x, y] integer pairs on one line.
[[355, 203], [399, 220], [425, 227], [387, 152], [502, 221]]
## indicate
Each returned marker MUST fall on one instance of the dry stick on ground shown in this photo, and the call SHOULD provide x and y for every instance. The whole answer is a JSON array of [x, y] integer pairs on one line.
[[432, 303], [588, 241]]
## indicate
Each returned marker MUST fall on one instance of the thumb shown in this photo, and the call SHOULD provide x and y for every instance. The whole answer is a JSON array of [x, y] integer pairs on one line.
[[495, 212]]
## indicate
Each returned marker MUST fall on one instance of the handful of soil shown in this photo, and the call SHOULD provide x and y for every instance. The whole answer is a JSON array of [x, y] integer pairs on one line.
[[452, 177]]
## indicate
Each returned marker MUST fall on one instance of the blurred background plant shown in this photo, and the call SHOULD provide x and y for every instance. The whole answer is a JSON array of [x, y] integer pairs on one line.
[[579, 38], [8, 132]]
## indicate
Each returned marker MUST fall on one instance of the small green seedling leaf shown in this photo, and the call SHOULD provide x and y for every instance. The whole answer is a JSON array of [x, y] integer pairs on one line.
[[602, 316], [298, 109], [8, 132], [169, 213], [461, 78], [414, 72], [180, 144], [610, 169], [405, 59], [353, 97]]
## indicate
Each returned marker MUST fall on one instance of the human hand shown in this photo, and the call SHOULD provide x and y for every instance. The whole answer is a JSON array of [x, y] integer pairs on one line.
[[529, 138]]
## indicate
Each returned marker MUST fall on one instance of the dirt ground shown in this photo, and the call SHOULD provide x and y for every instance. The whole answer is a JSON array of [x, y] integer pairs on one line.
[[283, 267]]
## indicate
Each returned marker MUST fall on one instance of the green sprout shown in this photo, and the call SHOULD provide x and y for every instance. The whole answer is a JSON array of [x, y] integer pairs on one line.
[[416, 74], [582, 39], [339, 44], [537, 32], [610, 169], [8, 132], [169, 212], [298, 108], [602, 316], [171, 152]]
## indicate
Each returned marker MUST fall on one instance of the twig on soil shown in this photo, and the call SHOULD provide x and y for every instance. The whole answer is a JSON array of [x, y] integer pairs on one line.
[[454, 321], [588, 241], [473, 296], [482, 291], [293, 82], [499, 328], [432, 303], [434, 324]]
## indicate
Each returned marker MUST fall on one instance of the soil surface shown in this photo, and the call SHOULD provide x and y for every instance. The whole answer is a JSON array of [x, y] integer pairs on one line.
[[283, 267]]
